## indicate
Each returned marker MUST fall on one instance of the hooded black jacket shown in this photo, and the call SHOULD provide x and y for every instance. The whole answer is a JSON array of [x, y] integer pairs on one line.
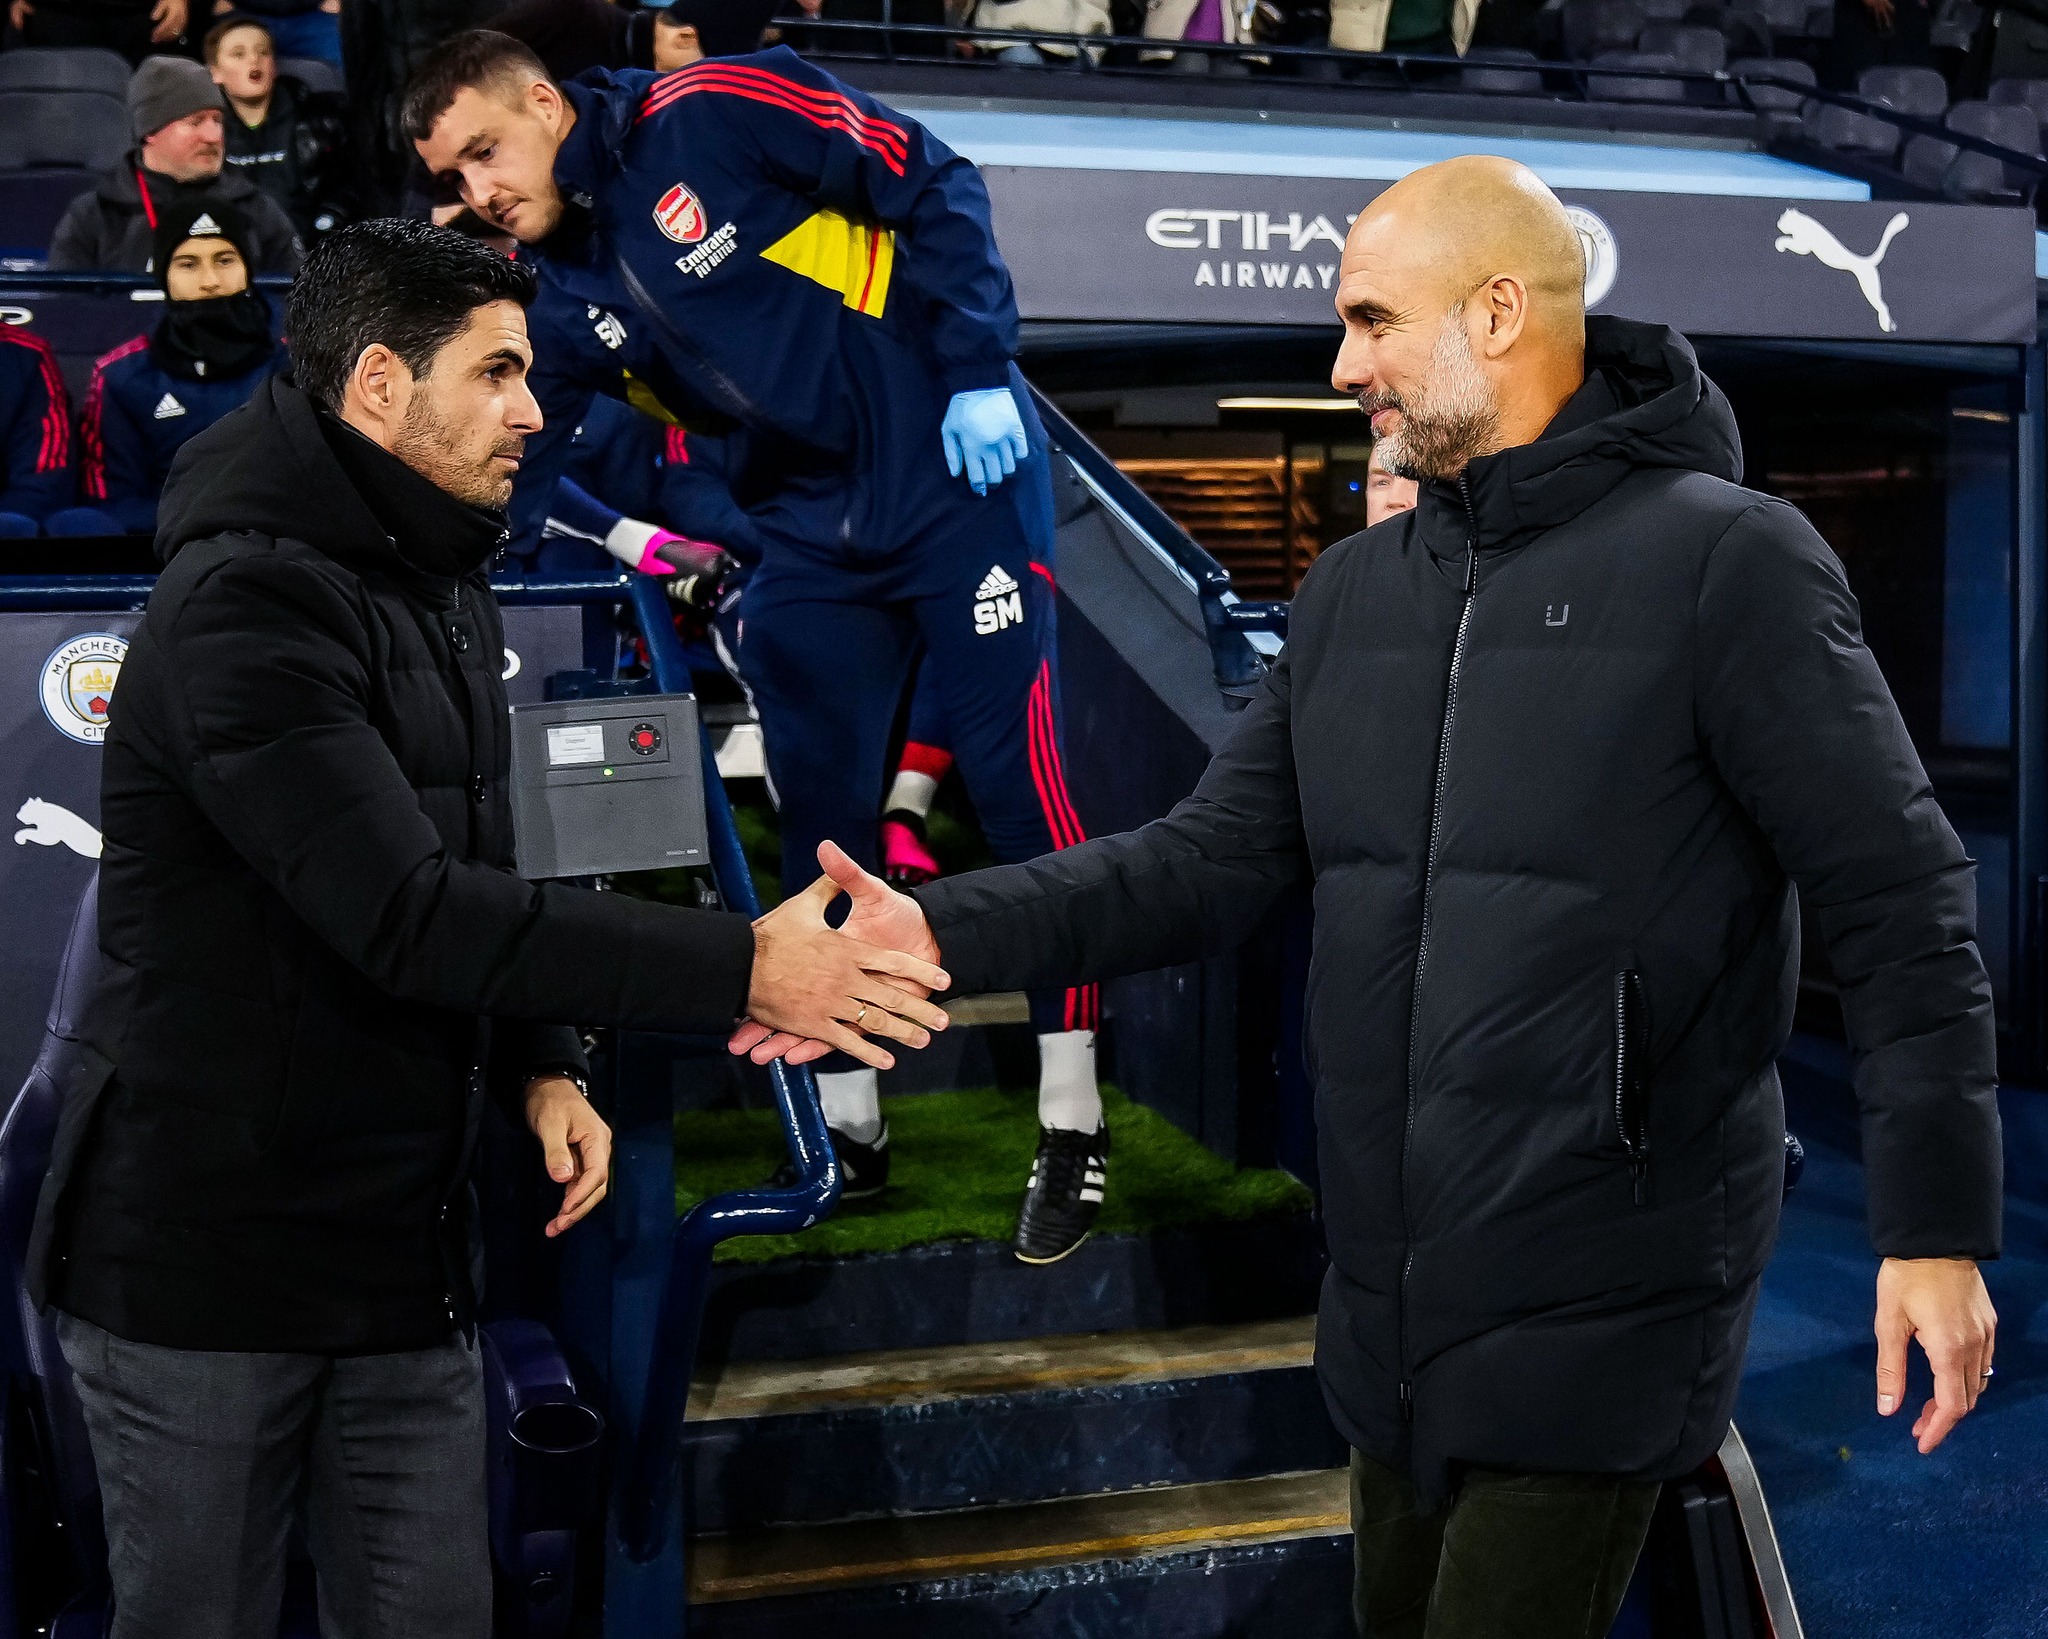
[[1554, 749], [305, 906], [111, 228]]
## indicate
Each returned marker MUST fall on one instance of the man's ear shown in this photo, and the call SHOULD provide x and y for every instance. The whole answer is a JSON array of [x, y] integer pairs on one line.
[[544, 102], [376, 394], [1504, 303]]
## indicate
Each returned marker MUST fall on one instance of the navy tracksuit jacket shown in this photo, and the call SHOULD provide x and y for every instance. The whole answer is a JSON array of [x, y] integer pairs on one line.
[[35, 433], [137, 417], [770, 254]]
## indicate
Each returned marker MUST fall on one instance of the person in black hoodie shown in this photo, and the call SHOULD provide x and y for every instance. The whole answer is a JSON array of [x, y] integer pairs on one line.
[[1553, 752], [256, 1226], [288, 140]]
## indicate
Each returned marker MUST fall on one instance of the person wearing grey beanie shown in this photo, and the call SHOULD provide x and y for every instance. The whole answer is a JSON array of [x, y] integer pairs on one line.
[[175, 112]]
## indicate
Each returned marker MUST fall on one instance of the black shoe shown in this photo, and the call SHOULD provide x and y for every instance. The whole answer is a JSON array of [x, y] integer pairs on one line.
[[863, 1168], [1064, 1194]]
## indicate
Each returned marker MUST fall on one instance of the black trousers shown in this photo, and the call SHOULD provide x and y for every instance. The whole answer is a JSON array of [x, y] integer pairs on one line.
[[1510, 1556]]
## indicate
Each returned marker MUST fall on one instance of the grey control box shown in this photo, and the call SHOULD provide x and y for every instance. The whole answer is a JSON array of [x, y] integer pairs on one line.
[[607, 785]]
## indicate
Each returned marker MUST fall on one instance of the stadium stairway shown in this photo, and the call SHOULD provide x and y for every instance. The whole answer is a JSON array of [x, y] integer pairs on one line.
[[1130, 1441]]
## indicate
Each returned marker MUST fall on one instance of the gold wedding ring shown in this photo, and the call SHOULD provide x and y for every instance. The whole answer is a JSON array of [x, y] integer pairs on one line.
[[863, 1013]]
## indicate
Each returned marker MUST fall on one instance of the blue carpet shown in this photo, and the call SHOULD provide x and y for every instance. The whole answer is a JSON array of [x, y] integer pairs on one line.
[[1879, 1540]]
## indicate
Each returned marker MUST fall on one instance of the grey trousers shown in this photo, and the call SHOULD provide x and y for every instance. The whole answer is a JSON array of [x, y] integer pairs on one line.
[[207, 1459]]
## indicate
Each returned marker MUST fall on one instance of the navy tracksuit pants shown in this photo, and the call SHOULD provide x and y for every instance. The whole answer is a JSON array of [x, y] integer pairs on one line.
[[830, 636]]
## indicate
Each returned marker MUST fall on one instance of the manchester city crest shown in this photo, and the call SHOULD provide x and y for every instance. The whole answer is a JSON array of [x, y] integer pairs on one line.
[[78, 685]]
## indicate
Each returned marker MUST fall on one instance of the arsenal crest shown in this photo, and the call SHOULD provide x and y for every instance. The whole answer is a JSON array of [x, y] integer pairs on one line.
[[680, 214], [78, 685]]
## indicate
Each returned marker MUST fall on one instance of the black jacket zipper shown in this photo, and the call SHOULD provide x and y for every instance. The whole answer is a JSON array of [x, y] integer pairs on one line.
[[1436, 820], [1631, 1120]]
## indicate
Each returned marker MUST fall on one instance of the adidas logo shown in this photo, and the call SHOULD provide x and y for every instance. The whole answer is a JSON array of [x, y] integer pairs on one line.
[[166, 407], [203, 226], [996, 583]]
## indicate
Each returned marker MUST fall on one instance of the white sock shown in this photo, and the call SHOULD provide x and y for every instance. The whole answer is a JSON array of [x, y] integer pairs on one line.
[[853, 1103], [912, 792], [1067, 1094]]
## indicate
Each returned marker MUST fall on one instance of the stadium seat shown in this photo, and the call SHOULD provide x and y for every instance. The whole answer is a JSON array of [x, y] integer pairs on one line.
[[1925, 162], [1848, 132], [1637, 87], [1702, 50], [1774, 99], [52, 146], [2029, 94], [1593, 27], [1982, 176], [1921, 92], [1665, 11], [84, 68], [1499, 69], [314, 74]]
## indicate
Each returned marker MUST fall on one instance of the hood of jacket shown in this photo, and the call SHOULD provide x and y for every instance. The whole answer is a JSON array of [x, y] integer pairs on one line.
[[1644, 404], [270, 468]]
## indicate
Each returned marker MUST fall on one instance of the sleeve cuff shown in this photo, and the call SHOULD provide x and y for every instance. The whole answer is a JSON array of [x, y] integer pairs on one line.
[[975, 376]]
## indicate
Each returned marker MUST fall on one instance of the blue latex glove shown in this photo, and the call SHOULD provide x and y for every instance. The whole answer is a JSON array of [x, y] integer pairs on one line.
[[984, 437]]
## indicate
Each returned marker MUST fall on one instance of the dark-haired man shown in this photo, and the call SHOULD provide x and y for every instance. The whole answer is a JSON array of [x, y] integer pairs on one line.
[[764, 249], [257, 1227]]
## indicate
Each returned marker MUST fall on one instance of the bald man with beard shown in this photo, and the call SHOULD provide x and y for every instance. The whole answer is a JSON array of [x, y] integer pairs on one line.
[[1556, 754]]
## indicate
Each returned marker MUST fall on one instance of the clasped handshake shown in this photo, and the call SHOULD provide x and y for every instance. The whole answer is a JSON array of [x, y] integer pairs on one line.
[[817, 988]]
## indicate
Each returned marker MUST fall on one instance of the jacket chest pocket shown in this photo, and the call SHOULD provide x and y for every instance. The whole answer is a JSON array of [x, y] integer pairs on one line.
[[1631, 1077]]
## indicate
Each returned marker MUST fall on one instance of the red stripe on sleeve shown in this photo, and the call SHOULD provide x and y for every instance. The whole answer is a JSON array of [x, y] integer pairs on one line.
[[715, 74], [887, 142]]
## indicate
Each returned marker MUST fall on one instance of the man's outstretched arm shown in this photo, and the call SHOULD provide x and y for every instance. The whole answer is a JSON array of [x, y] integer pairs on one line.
[[1189, 885]]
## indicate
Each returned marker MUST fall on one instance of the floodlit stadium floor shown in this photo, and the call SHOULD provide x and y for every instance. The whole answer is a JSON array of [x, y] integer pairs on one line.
[[1878, 1540]]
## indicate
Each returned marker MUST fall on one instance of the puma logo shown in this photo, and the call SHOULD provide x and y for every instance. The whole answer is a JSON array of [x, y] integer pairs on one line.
[[46, 825], [1803, 236]]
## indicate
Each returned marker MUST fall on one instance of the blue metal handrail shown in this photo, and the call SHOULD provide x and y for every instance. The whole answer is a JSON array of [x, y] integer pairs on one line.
[[645, 1589]]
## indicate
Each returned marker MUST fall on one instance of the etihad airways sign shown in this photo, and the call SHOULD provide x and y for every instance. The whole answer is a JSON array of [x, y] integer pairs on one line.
[[1266, 250]]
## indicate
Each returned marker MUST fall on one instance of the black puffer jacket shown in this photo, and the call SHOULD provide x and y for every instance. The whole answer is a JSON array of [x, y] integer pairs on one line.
[[111, 227], [1554, 749], [305, 907]]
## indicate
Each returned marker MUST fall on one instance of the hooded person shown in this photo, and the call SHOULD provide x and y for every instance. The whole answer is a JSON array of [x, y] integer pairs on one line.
[[175, 111], [213, 347]]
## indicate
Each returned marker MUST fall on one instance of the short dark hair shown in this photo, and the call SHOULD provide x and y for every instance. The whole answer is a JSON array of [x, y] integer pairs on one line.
[[478, 57], [410, 285], [209, 48]]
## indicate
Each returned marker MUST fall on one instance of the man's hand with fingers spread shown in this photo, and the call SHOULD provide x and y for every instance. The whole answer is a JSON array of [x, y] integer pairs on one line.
[[1942, 1302], [881, 918], [575, 1142], [817, 987]]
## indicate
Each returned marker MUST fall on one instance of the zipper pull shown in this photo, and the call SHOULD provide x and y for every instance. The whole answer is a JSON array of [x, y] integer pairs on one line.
[[1407, 1401], [1471, 568], [1639, 1165]]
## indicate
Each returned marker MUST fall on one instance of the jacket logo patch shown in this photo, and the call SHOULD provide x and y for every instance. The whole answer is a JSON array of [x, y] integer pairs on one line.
[[713, 251], [1556, 614], [609, 330], [1000, 605], [166, 407], [680, 214]]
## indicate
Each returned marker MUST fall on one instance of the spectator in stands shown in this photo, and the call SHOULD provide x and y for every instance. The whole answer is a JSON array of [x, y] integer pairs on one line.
[[570, 36], [174, 109], [131, 27], [35, 433], [214, 346], [1558, 753], [298, 28], [1048, 17], [1431, 28], [288, 140], [1197, 21], [1387, 494]]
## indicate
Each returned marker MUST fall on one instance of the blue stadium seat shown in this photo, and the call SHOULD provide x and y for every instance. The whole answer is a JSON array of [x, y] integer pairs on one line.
[[1593, 27], [82, 68], [1638, 87], [1770, 98], [1848, 132], [314, 74], [2028, 94], [53, 144], [1924, 162], [1981, 176], [1921, 92], [1699, 49], [1498, 69]]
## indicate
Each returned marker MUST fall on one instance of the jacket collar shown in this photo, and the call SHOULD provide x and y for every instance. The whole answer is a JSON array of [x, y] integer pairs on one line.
[[1644, 403]]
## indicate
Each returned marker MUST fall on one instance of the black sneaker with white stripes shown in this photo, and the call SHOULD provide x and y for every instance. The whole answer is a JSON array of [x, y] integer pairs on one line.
[[1064, 1194], [863, 1168]]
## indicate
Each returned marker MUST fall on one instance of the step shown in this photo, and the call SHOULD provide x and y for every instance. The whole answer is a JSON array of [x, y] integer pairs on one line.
[[1252, 1558], [964, 1292], [918, 1430]]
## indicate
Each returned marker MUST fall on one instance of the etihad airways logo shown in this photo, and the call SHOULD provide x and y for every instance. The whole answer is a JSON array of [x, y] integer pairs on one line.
[[1261, 232]]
